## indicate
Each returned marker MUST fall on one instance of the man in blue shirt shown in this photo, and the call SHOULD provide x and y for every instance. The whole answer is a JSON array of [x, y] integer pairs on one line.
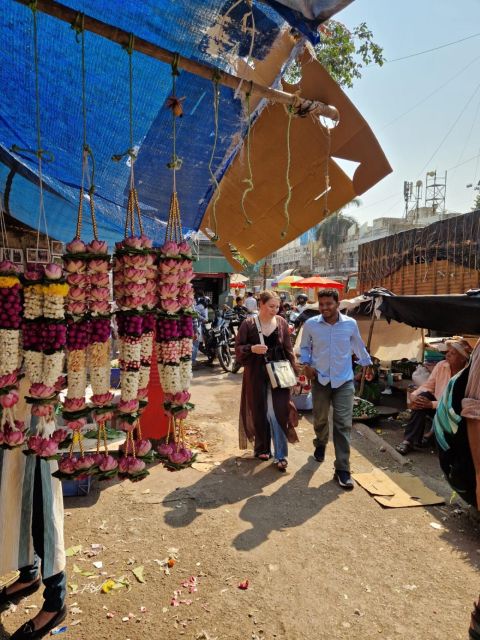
[[328, 341]]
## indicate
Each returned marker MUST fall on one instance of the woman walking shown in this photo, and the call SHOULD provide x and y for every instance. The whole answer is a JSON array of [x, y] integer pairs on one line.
[[266, 414]]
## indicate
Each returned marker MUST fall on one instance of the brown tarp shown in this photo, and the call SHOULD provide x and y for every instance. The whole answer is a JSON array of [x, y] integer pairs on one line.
[[351, 140]]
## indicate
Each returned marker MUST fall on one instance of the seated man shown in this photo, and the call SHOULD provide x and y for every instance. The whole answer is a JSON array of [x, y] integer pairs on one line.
[[425, 398]]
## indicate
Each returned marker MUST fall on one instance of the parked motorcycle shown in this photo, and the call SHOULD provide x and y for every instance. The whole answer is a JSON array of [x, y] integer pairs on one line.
[[217, 340]]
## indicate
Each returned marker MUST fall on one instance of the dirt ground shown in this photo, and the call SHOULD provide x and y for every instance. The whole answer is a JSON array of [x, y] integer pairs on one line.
[[320, 563]]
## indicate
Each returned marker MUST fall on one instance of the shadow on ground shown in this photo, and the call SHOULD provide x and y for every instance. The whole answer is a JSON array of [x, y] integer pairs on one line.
[[239, 479]]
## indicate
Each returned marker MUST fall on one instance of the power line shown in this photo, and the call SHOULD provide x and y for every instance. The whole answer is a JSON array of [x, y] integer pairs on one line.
[[442, 46], [432, 93]]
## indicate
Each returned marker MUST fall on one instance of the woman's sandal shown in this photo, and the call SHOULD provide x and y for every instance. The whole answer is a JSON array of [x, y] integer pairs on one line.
[[263, 456], [282, 465], [404, 447]]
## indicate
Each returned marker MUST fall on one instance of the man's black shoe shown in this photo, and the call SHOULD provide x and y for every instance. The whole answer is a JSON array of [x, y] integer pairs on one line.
[[319, 453], [28, 631], [344, 479], [14, 598]]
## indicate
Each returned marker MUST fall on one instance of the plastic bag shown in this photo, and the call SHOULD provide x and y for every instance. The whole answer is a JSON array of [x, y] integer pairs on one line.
[[420, 375]]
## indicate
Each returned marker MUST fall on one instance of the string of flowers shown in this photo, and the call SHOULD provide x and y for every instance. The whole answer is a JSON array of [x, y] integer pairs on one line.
[[175, 321], [44, 337], [12, 431]]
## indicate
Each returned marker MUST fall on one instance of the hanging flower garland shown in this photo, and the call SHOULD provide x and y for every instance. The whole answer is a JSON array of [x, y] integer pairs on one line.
[[134, 288], [44, 337], [89, 322], [175, 321], [12, 431]]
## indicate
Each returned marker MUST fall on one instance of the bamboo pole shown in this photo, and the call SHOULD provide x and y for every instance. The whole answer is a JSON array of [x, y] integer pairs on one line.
[[368, 345], [123, 38]]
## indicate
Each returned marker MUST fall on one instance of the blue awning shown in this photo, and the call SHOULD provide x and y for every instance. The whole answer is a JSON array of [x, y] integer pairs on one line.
[[212, 31]]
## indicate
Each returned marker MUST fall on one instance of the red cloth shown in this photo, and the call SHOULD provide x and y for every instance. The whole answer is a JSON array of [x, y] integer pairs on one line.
[[154, 421]]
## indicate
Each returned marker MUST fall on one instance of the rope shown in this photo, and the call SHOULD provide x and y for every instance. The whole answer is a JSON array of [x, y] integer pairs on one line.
[[248, 181], [286, 212], [213, 212], [39, 151], [3, 226]]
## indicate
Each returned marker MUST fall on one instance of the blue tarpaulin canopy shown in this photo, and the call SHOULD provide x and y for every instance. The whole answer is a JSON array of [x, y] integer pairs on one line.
[[211, 31]]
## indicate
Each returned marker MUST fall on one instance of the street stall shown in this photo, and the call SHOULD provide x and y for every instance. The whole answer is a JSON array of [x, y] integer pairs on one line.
[[95, 154]]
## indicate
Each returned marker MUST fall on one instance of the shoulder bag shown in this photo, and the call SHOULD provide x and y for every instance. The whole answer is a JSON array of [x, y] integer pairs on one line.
[[280, 372]]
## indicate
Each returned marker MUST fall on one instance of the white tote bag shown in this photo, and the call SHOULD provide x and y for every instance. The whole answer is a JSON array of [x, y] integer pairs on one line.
[[280, 372]]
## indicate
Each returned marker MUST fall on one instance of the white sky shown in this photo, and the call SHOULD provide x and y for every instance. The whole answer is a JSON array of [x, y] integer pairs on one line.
[[443, 131]]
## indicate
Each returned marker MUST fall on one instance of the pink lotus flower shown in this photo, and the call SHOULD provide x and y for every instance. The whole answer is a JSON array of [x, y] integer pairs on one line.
[[77, 294], [170, 306], [142, 393], [134, 302], [97, 246], [13, 438], [147, 243], [76, 246], [102, 416], [128, 406], [100, 279], [84, 463], [99, 293], [10, 399], [67, 465], [61, 383], [178, 457], [166, 449], [187, 275], [142, 447], [33, 275], [76, 425], [126, 426], [75, 266], [181, 397], [34, 443], [170, 278], [170, 248], [150, 259], [188, 453], [134, 289], [40, 390], [74, 404], [77, 308], [101, 399], [98, 306], [53, 271], [42, 410], [182, 414], [119, 245], [108, 463], [8, 267], [169, 266], [59, 435], [185, 248], [150, 286], [78, 280], [8, 379], [134, 275], [186, 301], [129, 464], [136, 260], [133, 242], [48, 448], [168, 291], [98, 265]]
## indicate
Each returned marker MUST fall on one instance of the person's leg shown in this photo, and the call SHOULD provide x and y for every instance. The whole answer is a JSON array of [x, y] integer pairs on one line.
[[55, 586], [262, 442], [342, 401], [194, 351], [415, 427], [321, 396], [280, 444]]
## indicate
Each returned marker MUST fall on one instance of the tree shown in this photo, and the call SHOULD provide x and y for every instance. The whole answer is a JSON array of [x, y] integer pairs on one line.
[[332, 232], [343, 52], [476, 204]]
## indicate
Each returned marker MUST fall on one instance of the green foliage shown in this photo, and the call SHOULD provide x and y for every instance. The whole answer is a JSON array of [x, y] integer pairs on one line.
[[343, 52], [333, 230], [476, 203]]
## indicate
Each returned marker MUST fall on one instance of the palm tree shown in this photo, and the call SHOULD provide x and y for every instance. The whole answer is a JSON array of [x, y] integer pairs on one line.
[[332, 232]]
